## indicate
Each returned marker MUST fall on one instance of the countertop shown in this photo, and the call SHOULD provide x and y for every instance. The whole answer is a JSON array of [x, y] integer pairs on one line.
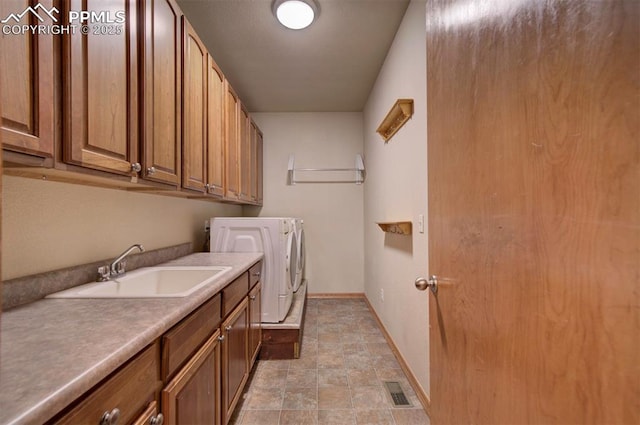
[[53, 350]]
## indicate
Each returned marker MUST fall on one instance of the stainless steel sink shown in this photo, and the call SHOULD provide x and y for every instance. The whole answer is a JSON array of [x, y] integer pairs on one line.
[[148, 282]]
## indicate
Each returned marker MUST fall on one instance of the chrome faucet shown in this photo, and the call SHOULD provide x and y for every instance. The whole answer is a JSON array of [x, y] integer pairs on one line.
[[117, 266]]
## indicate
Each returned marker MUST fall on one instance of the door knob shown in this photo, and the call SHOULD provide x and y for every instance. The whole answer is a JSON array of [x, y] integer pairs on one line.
[[431, 283]]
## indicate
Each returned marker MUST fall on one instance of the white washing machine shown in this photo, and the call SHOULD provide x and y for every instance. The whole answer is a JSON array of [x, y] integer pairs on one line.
[[299, 230], [276, 238]]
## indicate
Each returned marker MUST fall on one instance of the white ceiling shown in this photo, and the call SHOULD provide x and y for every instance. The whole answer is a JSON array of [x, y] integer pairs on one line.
[[329, 66]]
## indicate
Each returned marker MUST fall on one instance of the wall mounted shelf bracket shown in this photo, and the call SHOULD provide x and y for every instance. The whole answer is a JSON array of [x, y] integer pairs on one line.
[[399, 114]]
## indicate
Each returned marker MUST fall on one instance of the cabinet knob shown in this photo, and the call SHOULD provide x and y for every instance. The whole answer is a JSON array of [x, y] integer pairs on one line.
[[252, 297], [207, 187], [157, 420], [136, 167], [256, 274], [110, 418], [221, 338], [228, 328], [151, 170]]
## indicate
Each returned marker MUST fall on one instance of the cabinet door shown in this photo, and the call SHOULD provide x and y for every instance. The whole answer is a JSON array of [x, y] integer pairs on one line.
[[215, 130], [256, 164], [194, 139], [101, 91], [244, 126], [26, 84], [232, 166], [161, 143], [193, 396], [255, 326], [235, 361], [259, 167]]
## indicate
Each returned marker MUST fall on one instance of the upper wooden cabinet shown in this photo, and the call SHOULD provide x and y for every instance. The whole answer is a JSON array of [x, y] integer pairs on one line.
[[26, 84], [215, 130], [161, 119], [244, 132], [194, 125], [256, 164], [100, 92], [232, 149]]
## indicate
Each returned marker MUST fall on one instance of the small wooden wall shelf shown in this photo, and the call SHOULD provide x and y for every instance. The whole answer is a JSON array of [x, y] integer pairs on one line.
[[399, 227], [400, 112]]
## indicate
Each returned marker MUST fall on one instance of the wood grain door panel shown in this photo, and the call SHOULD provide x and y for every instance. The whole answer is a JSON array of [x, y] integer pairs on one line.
[[193, 396], [244, 145], [534, 212], [194, 141], [26, 80], [101, 92], [215, 129], [162, 141], [232, 150], [235, 361]]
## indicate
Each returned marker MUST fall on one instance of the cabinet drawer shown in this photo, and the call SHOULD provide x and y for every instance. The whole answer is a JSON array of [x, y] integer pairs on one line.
[[234, 292], [129, 390], [187, 336], [255, 274]]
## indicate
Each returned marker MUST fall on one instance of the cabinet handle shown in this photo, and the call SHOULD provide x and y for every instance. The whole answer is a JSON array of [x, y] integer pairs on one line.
[[157, 420], [221, 338], [207, 187], [136, 167], [228, 328], [252, 297], [256, 274], [110, 418], [151, 170]]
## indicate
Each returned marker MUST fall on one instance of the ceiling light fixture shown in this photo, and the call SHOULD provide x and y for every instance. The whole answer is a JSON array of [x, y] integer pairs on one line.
[[295, 14]]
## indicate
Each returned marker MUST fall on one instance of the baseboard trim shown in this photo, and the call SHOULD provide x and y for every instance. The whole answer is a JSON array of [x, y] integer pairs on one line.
[[422, 396], [337, 295]]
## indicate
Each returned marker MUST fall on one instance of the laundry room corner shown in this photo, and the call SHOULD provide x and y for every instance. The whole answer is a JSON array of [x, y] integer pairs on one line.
[[332, 212]]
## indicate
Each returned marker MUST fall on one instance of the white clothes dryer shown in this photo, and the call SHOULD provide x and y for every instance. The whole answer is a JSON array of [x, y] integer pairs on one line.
[[276, 239], [299, 230]]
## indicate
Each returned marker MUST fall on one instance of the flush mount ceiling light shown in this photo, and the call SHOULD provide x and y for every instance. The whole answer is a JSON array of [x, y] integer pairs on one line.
[[295, 14]]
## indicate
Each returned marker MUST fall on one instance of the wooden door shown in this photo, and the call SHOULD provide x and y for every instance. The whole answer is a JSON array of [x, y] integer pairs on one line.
[[162, 137], [193, 396], [231, 137], [235, 358], [101, 91], [26, 80], [534, 211], [215, 129], [244, 135], [194, 125], [255, 325]]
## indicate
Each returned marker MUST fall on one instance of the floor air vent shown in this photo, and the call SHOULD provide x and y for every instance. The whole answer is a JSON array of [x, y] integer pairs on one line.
[[398, 398]]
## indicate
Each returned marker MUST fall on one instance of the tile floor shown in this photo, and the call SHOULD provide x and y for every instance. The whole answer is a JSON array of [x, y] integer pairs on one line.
[[338, 378]]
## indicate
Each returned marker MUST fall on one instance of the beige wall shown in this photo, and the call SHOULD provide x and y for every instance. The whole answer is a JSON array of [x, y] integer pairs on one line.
[[48, 225], [332, 213], [396, 190]]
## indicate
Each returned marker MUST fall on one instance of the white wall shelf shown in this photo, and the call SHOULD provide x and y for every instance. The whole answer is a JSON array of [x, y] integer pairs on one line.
[[326, 175]]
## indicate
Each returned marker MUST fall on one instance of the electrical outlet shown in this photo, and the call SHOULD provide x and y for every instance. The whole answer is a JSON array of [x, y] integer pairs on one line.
[[421, 223], [382, 294]]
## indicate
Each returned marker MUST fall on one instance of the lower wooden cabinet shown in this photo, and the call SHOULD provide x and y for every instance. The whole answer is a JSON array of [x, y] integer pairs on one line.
[[150, 416], [235, 358], [203, 362], [255, 327], [193, 396], [127, 393]]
